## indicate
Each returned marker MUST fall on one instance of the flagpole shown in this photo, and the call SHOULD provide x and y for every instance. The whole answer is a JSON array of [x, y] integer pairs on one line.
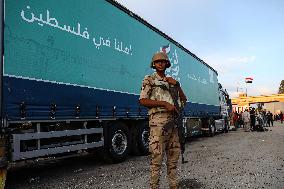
[[246, 89], [248, 80]]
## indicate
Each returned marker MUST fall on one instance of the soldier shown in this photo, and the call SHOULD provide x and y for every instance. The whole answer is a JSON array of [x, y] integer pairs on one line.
[[156, 96]]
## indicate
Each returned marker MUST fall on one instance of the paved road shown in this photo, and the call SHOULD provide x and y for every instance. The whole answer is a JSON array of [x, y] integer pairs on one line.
[[234, 160]]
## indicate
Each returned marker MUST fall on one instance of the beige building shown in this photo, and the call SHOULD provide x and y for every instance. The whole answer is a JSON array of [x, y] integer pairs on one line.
[[273, 103]]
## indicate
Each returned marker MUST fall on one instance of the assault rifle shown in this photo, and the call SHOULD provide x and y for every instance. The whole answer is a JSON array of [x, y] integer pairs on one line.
[[178, 120]]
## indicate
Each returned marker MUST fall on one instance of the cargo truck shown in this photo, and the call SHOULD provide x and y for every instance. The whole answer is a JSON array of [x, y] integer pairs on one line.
[[71, 75]]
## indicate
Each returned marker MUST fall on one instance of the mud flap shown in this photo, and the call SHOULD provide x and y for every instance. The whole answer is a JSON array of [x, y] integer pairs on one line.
[[3, 162], [3, 173]]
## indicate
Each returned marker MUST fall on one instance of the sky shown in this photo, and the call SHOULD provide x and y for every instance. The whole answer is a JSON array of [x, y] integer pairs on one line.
[[239, 39]]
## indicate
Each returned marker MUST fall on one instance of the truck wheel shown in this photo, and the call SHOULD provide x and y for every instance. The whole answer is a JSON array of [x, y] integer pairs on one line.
[[118, 142], [142, 137], [212, 130]]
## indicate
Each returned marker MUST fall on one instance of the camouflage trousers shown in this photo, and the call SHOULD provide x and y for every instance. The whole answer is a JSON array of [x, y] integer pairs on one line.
[[163, 140]]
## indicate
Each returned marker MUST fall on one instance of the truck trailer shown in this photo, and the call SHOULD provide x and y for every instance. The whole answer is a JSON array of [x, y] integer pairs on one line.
[[71, 74]]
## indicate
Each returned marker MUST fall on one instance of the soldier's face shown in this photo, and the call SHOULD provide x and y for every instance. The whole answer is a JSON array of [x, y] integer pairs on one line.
[[160, 65]]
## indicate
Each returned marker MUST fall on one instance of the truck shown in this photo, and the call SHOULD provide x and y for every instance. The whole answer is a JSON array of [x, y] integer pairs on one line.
[[71, 74]]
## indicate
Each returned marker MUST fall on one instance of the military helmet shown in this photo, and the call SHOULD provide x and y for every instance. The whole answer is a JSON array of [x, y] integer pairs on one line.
[[160, 56]]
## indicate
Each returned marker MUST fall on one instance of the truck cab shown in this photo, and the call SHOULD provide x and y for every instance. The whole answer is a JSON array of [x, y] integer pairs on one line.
[[221, 124]]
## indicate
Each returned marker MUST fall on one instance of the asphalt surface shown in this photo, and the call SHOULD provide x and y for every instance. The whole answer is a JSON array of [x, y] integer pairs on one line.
[[236, 159]]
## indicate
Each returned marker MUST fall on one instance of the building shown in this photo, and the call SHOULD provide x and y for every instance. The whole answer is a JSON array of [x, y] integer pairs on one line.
[[273, 103]]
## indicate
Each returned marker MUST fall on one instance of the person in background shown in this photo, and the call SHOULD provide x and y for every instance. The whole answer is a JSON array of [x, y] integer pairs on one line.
[[264, 116], [241, 123], [281, 117], [275, 117], [236, 120], [246, 120], [269, 117], [252, 119]]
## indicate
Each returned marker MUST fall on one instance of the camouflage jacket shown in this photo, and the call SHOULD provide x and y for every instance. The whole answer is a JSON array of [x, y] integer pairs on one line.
[[156, 88]]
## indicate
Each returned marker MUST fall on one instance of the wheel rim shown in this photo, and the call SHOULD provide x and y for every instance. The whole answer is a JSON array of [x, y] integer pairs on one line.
[[145, 138], [119, 142]]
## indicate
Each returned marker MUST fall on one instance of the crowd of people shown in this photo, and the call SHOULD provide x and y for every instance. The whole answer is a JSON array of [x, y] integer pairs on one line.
[[251, 119]]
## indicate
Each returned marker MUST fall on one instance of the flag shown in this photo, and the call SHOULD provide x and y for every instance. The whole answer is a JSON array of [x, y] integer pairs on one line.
[[166, 49], [249, 79]]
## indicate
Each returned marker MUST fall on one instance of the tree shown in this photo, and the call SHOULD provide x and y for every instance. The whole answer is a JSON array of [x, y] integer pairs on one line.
[[281, 88]]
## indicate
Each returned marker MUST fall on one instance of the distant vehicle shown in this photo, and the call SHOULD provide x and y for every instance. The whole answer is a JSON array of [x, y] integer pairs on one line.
[[207, 124], [71, 77]]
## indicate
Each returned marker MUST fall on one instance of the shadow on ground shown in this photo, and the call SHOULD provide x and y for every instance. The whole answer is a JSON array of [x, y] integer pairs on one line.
[[189, 183]]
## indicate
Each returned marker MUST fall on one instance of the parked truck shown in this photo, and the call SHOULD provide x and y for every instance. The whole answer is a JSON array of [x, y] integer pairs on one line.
[[71, 75]]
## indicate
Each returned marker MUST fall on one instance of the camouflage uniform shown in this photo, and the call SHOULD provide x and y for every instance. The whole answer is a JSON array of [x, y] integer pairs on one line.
[[163, 137]]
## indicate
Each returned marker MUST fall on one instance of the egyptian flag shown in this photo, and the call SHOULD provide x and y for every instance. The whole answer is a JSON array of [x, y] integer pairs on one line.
[[166, 49], [249, 79]]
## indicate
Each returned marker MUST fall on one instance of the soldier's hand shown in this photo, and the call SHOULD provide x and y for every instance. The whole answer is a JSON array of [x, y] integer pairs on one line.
[[170, 107], [171, 80]]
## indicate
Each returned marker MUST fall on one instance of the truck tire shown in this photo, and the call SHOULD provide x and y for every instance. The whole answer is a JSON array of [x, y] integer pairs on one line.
[[118, 142], [142, 137]]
